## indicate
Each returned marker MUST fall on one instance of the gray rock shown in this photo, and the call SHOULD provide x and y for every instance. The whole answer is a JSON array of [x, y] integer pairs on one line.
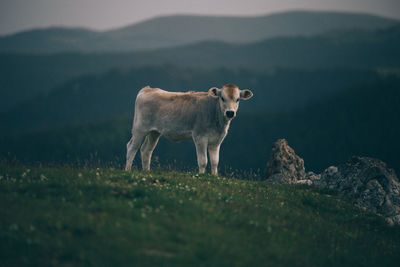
[[284, 166], [374, 186], [369, 181]]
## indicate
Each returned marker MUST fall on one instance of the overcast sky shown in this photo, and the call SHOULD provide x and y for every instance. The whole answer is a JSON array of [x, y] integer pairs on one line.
[[16, 15]]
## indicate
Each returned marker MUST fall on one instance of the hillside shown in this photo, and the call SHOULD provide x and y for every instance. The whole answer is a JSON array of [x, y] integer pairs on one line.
[[103, 217], [83, 100], [179, 30], [23, 77]]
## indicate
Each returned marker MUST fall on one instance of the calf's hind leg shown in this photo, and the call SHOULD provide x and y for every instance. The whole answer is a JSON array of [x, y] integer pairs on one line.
[[147, 148], [132, 148]]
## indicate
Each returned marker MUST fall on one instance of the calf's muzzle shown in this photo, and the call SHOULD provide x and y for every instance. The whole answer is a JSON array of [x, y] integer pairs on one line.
[[230, 113]]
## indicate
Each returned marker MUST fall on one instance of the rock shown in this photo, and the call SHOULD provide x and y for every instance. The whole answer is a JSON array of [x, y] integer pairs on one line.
[[369, 181], [304, 181], [310, 179], [373, 186], [284, 166], [328, 178], [313, 176]]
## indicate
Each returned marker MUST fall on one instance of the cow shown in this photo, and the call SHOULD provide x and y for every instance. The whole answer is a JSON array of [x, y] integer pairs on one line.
[[203, 117]]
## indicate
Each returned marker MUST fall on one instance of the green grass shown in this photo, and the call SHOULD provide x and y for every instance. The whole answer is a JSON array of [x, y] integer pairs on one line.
[[103, 217]]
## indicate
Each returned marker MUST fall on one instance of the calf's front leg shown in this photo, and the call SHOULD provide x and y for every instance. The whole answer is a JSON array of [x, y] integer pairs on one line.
[[201, 150], [213, 152]]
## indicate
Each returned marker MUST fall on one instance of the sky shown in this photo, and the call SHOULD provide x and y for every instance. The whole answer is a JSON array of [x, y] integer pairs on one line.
[[17, 15]]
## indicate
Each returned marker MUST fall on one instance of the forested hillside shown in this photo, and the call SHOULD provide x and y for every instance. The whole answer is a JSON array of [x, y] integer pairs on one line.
[[360, 120], [94, 98], [24, 76]]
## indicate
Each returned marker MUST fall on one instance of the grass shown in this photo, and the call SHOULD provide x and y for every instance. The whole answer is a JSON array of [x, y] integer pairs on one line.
[[63, 216]]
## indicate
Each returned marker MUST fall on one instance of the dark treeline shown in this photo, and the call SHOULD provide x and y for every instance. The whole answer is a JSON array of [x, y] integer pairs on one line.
[[95, 98], [22, 77]]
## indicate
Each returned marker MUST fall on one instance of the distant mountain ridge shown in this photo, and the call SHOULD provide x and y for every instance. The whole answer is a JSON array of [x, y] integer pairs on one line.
[[23, 75], [170, 31]]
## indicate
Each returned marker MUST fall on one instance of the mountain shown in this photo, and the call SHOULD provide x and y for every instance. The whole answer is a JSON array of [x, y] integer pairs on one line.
[[23, 77], [179, 30]]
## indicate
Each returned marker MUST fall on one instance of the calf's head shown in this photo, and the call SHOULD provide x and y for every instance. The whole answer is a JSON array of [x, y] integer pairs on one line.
[[228, 98]]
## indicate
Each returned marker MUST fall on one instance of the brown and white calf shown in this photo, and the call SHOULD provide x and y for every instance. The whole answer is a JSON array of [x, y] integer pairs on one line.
[[203, 117]]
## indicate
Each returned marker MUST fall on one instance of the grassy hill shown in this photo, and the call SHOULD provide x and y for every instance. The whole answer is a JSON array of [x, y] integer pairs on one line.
[[64, 216], [180, 30]]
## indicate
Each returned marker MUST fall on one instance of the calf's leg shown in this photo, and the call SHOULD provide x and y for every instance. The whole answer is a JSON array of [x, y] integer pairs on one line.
[[147, 148], [132, 148], [201, 150], [213, 152]]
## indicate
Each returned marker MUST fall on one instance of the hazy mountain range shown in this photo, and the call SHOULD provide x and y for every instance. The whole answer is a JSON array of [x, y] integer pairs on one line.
[[24, 76], [328, 82], [172, 31]]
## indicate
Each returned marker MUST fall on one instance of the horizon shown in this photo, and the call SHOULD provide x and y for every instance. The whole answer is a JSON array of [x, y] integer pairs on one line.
[[61, 26], [101, 15]]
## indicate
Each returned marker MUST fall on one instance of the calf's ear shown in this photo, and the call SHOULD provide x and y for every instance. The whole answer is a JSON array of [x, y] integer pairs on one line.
[[245, 94], [214, 92]]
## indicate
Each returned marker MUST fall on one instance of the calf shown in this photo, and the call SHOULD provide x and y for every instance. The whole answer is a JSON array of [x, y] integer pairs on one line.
[[203, 117]]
